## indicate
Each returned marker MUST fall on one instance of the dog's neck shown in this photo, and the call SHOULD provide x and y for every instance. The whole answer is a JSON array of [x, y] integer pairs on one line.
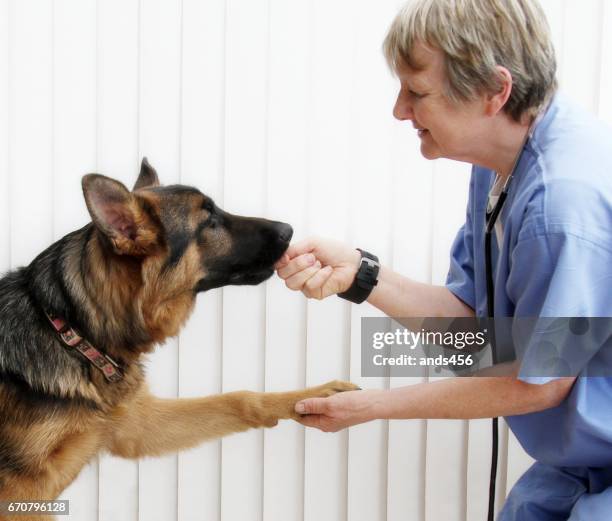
[[116, 302], [75, 279]]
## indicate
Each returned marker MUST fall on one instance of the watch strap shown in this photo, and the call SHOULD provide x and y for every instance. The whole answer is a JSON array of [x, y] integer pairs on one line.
[[365, 280]]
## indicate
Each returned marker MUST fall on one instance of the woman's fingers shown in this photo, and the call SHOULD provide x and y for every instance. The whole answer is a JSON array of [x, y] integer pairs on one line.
[[283, 261], [300, 267], [295, 250], [300, 248], [298, 280], [296, 265], [315, 285]]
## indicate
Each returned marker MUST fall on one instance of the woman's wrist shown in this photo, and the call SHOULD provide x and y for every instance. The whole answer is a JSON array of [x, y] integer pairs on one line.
[[378, 405], [354, 262]]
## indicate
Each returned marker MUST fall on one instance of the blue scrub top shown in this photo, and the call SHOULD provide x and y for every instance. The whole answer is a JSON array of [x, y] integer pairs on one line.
[[555, 260]]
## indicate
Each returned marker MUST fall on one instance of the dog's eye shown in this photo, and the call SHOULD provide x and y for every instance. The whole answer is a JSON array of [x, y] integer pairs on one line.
[[211, 222]]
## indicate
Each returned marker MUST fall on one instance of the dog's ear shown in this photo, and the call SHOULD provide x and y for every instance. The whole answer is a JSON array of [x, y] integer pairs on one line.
[[147, 177], [119, 215]]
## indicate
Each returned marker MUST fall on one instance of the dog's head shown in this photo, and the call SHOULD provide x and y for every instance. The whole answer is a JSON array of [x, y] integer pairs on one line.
[[181, 235]]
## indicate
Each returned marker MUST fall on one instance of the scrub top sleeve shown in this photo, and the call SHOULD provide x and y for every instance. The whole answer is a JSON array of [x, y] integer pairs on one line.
[[460, 279], [559, 275]]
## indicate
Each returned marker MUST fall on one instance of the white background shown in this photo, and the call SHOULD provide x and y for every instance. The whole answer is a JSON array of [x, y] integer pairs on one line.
[[279, 108]]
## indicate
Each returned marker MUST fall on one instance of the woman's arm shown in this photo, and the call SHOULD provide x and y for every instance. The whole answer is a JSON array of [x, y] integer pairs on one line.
[[322, 267], [453, 398], [398, 296]]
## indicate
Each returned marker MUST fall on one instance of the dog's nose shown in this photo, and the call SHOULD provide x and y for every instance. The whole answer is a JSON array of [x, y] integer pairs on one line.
[[285, 232]]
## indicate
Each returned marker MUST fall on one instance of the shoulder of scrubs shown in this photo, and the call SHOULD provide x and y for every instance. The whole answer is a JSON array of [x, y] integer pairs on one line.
[[561, 259], [568, 179]]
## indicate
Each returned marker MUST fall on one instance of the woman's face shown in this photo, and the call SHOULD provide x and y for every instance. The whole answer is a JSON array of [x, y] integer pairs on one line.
[[446, 129]]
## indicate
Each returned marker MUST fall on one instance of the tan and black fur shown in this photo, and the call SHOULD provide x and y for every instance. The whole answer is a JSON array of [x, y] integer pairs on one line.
[[126, 282]]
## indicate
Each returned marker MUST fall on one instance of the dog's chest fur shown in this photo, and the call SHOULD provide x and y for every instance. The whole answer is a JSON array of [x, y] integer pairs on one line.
[[38, 427]]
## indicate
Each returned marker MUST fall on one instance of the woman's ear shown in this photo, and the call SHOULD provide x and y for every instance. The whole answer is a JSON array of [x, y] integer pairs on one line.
[[496, 101], [118, 214]]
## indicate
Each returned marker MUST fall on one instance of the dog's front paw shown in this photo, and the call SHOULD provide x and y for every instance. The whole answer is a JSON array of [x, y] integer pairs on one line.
[[329, 389], [279, 406], [321, 391]]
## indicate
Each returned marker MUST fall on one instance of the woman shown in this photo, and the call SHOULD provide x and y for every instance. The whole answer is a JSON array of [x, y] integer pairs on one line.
[[477, 82]]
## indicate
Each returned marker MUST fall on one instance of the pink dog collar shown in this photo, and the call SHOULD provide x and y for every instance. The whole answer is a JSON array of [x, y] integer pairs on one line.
[[70, 338]]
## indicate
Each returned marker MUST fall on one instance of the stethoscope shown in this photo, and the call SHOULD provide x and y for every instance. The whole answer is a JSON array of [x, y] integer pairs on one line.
[[491, 216]]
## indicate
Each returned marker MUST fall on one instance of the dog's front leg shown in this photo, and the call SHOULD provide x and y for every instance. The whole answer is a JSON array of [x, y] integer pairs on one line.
[[57, 471], [150, 426]]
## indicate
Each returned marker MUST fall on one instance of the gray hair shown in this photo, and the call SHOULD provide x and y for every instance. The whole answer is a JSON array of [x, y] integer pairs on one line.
[[475, 36]]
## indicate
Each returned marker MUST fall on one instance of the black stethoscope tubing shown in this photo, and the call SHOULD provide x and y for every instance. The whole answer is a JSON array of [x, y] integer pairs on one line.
[[491, 217]]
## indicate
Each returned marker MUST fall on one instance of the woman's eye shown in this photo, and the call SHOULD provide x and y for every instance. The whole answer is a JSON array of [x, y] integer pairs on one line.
[[416, 94]]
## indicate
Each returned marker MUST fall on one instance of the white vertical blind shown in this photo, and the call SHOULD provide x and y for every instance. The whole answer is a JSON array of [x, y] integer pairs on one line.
[[605, 71], [30, 127], [273, 108], [5, 184]]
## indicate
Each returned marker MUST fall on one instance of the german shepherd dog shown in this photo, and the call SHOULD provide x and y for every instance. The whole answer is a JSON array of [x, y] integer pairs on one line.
[[75, 324]]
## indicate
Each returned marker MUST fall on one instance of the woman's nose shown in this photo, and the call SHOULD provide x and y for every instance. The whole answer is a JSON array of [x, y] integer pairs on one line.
[[403, 108]]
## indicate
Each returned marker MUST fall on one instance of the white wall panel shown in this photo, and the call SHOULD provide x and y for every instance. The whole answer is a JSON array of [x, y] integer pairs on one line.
[[580, 77], [5, 181], [555, 14], [273, 108], [117, 89], [30, 119], [605, 71]]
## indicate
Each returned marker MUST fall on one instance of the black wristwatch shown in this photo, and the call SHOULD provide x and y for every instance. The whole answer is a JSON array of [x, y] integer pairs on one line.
[[365, 280]]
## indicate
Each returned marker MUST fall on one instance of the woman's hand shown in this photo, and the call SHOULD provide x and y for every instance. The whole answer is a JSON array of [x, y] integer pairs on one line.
[[341, 410], [319, 267]]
